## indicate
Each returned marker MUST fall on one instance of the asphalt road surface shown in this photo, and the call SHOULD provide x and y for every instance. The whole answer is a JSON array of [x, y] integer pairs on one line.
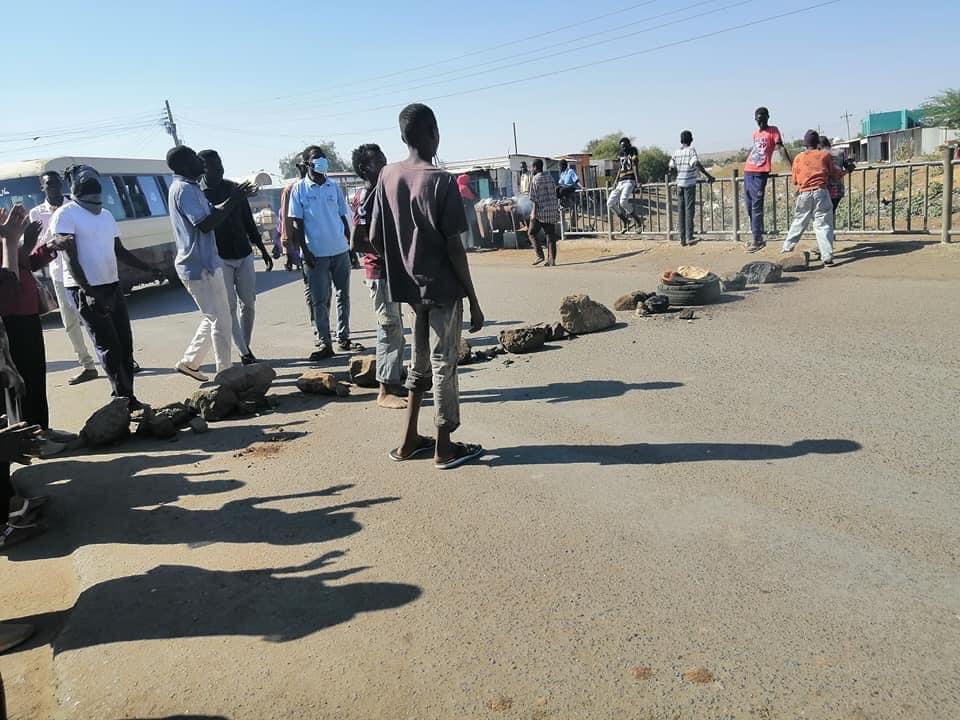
[[748, 515]]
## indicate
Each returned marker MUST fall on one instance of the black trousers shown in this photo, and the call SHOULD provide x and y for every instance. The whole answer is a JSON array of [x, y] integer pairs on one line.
[[25, 334], [104, 313], [550, 231], [686, 204]]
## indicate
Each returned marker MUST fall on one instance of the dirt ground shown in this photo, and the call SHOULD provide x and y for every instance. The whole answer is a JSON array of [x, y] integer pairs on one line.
[[749, 515]]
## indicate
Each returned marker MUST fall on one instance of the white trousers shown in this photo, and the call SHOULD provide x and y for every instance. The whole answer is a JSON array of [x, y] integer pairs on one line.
[[815, 205], [72, 326], [210, 294]]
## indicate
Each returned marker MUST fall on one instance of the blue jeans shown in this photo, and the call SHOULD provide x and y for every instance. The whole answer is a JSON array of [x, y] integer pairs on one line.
[[390, 340], [754, 187], [327, 271]]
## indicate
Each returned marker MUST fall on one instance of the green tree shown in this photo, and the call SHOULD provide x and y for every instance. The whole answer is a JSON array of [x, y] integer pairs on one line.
[[943, 110], [288, 168], [652, 164], [606, 147]]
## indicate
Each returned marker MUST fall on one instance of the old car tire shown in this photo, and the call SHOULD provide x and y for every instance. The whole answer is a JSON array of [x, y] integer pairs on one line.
[[701, 292]]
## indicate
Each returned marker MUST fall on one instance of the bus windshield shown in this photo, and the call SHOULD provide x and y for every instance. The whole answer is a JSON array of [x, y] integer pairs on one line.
[[25, 190]]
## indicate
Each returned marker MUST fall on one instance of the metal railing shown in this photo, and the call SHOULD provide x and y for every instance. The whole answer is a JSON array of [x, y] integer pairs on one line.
[[899, 198]]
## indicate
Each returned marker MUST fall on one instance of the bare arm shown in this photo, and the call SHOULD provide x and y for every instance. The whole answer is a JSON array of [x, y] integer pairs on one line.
[[461, 268], [222, 211], [301, 241], [128, 258], [702, 169], [68, 243]]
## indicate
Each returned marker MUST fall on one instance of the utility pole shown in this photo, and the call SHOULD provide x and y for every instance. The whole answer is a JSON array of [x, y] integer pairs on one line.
[[515, 150], [170, 126], [846, 116]]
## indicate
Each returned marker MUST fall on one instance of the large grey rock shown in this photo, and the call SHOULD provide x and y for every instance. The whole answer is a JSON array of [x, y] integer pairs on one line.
[[108, 425], [656, 304], [213, 403], [178, 413], [733, 281], [580, 315], [248, 382], [524, 339], [317, 382], [464, 356], [762, 271], [630, 300], [363, 370], [795, 261]]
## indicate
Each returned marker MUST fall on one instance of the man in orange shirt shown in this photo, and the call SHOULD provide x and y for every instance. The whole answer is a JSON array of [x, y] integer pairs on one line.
[[812, 171]]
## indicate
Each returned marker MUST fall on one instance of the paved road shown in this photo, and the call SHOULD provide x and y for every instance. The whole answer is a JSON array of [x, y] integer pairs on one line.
[[750, 515]]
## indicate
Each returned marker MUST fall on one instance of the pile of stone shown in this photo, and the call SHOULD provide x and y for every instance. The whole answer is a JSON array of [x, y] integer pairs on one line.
[[237, 391]]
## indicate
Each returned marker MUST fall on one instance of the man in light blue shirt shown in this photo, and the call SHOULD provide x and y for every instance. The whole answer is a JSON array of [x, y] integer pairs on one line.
[[566, 189], [197, 262], [321, 229]]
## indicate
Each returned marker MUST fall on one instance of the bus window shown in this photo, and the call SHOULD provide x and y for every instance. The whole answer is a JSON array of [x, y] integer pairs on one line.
[[111, 198], [25, 190], [132, 196], [152, 194]]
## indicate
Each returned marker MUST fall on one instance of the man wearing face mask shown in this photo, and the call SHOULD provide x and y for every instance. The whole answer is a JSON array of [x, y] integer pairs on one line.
[[322, 230], [197, 263]]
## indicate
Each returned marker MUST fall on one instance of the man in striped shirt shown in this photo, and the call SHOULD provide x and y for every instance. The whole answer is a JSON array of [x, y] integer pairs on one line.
[[545, 214], [687, 166]]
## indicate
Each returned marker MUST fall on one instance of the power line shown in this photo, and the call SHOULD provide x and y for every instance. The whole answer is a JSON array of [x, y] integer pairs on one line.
[[298, 136], [543, 56], [508, 43], [75, 129], [95, 136], [582, 66]]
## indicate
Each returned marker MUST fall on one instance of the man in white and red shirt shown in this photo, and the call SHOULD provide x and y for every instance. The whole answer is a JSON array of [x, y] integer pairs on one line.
[[52, 186], [756, 170]]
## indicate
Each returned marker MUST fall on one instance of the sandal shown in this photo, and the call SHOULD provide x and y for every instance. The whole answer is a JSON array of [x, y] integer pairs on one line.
[[30, 506], [424, 445], [465, 452]]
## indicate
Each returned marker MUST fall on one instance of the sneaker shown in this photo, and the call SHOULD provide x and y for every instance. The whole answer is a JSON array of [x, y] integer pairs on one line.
[[195, 373], [12, 634], [84, 376], [754, 248], [349, 345], [60, 436], [538, 261], [322, 353], [248, 359], [14, 532], [828, 262]]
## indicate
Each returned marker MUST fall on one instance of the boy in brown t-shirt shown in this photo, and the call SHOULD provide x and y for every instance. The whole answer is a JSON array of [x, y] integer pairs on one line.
[[812, 170], [415, 226]]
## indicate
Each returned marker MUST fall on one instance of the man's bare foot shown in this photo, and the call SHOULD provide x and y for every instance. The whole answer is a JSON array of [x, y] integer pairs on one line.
[[391, 402]]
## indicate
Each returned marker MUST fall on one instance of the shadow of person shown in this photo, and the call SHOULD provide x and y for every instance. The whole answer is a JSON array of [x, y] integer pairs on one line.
[[662, 453], [181, 601], [239, 521], [867, 250], [563, 392]]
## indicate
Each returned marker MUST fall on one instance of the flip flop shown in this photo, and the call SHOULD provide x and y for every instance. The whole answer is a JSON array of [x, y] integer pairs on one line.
[[465, 453], [424, 445]]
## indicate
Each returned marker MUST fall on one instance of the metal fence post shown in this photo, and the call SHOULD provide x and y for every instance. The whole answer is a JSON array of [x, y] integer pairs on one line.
[[669, 213], [736, 207], [947, 194]]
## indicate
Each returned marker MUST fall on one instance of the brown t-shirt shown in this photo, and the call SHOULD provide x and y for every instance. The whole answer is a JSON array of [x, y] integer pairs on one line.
[[416, 210]]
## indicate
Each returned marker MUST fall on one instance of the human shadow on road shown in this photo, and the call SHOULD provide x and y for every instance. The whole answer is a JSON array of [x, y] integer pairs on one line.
[[601, 259], [867, 250], [662, 453], [113, 503], [564, 391], [181, 601]]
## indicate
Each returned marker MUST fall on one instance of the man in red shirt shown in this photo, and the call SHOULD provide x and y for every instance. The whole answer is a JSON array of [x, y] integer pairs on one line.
[[812, 172], [756, 170], [368, 161]]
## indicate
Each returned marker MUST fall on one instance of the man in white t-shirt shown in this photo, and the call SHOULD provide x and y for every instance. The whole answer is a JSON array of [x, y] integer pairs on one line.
[[89, 236], [52, 186]]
